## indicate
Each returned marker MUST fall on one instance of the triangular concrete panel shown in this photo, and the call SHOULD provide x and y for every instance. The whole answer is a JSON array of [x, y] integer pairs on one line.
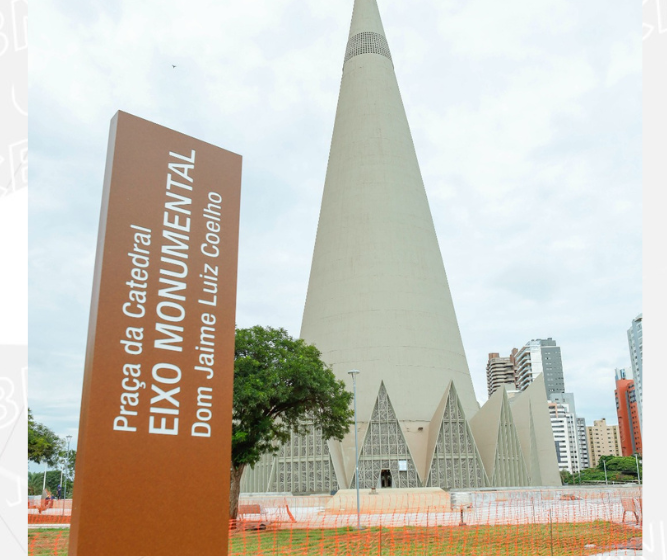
[[531, 406], [347, 448], [454, 460], [337, 459], [509, 466], [434, 431], [535, 474], [385, 449], [484, 426], [416, 436]]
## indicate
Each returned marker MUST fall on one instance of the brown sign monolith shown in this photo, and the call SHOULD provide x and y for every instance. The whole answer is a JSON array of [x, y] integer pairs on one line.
[[154, 450]]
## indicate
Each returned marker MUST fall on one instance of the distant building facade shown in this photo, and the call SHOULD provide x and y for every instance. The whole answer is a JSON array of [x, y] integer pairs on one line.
[[580, 427], [540, 356], [627, 411], [582, 440], [564, 427], [543, 356], [602, 440], [636, 344], [500, 371]]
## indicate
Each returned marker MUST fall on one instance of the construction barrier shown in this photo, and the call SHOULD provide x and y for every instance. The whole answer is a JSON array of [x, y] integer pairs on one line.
[[508, 522]]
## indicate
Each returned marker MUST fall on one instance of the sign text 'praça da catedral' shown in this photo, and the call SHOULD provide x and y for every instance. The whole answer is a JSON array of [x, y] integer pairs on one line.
[[154, 445]]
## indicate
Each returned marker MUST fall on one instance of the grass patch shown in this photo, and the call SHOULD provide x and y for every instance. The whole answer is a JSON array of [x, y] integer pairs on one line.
[[48, 542], [560, 539]]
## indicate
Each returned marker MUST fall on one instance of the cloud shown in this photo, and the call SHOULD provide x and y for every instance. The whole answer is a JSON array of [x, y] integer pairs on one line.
[[526, 120]]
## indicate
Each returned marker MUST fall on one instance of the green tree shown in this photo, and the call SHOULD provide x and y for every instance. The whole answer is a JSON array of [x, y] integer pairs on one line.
[[566, 477], [70, 462], [35, 482], [53, 479], [43, 445], [279, 383], [623, 465]]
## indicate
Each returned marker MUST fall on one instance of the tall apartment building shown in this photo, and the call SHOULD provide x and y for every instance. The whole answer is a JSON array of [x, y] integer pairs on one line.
[[543, 356], [602, 440], [636, 344], [564, 428], [628, 415], [582, 440], [540, 356], [500, 371], [581, 443]]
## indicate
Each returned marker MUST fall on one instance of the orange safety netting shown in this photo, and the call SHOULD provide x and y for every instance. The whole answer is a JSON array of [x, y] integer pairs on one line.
[[553, 522]]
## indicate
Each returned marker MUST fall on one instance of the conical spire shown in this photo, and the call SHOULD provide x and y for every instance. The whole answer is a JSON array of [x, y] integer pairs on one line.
[[379, 302], [378, 297], [366, 18]]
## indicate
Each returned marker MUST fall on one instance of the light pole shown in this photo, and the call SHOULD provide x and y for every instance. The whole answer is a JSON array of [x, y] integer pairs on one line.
[[604, 463], [354, 374], [639, 479], [69, 438], [62, 470]]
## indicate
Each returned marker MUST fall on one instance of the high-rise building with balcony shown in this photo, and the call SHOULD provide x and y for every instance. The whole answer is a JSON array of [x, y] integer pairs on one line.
[[603, 440], [636, 344], [628, 415], [564, 427], [540, 356], [582, 440], [543, 356], [500, 371], [579, 425]]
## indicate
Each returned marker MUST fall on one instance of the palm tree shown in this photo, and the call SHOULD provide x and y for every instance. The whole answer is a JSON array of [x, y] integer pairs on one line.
[[35, 482]]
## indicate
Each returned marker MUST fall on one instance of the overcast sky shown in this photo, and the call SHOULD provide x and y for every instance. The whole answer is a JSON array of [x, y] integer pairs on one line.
[[526, 118]]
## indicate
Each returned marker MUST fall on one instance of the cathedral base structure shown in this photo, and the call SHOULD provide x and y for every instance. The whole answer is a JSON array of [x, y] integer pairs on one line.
[[505, 444]]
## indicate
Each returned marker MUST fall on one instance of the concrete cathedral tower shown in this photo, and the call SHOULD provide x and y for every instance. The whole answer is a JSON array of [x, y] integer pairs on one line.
[[379, 302]]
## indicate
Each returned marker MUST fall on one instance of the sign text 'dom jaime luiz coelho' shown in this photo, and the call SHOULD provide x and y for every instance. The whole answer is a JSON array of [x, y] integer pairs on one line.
[[154, 450]]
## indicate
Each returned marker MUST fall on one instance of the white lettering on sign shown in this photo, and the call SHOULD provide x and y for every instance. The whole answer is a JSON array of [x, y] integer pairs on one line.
[[210, 249], [165, 374], [171, 309], [175, 249], [204, 414]]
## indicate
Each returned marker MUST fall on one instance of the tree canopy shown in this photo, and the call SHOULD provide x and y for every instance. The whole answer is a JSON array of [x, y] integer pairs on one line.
[[43, 445], [53, 479], [279, 383], [619, 469], [626, 465]]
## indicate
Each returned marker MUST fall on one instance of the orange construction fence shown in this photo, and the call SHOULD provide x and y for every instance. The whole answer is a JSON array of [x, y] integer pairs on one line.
[[554, 522]]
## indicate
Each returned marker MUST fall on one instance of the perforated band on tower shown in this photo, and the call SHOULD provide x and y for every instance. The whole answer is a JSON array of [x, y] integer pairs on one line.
[[367, 42]]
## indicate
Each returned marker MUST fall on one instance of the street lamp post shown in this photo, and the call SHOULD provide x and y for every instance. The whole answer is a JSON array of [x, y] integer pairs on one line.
[[354, 374], [69, 438], [639, 478], [604, 463], [62, 470]]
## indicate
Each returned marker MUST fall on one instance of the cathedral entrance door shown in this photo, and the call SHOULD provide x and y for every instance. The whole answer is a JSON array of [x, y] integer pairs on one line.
[[385, 478]]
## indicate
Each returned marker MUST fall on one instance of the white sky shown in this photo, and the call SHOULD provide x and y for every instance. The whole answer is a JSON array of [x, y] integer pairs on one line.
[[526, 117]]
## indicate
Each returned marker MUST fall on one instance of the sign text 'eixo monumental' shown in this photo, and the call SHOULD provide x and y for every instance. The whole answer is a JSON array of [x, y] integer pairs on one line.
[[154, 450]]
